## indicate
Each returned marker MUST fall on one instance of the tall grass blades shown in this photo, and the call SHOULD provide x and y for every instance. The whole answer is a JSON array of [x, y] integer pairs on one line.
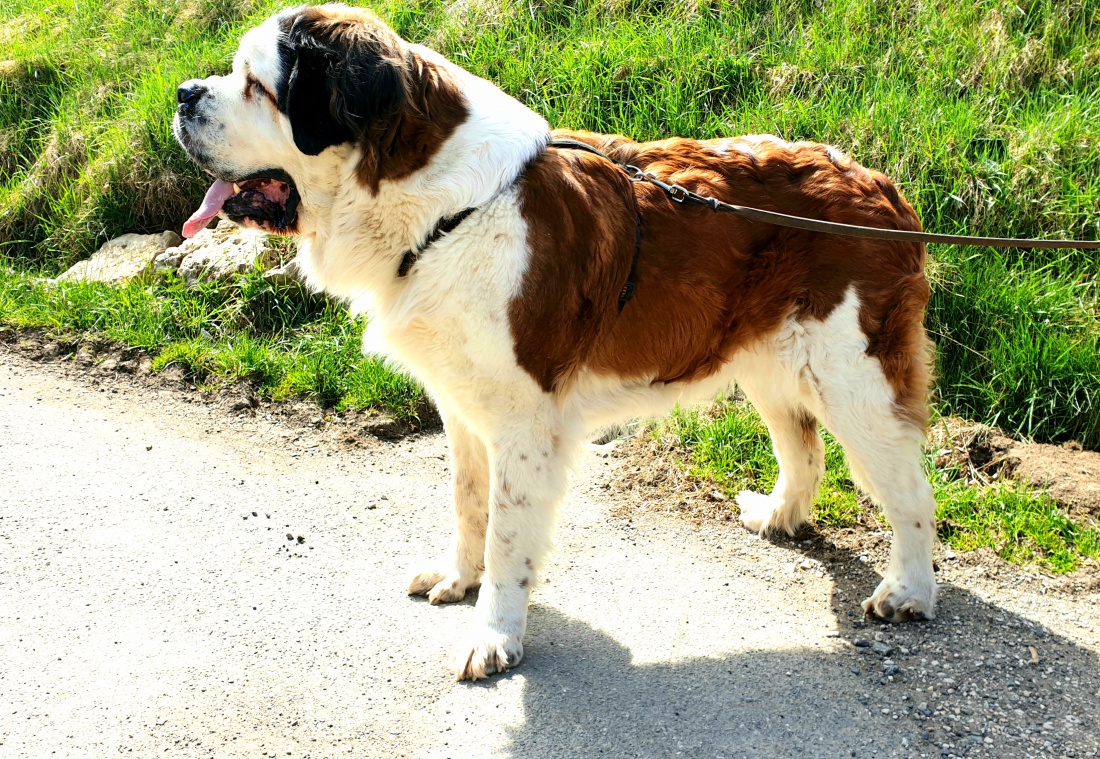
[[985, 112]]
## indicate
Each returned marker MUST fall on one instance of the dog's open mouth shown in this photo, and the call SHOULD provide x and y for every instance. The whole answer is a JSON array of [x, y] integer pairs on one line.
[[266, 199]]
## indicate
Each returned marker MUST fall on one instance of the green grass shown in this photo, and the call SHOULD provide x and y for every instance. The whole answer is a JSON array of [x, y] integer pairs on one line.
[[1021, 526], [729, 445], [987, 114], [285, 341]]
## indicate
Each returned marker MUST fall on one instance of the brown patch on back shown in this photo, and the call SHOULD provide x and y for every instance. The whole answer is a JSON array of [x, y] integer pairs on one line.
[[709, 284], [574, 206]]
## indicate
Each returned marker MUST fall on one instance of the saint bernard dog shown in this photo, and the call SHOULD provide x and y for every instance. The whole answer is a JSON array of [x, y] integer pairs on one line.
[[493, 266]]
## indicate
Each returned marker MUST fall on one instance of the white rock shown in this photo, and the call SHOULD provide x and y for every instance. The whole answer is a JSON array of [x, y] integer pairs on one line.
[[122, 259], [284, 275], [214, 254], [169, 260]]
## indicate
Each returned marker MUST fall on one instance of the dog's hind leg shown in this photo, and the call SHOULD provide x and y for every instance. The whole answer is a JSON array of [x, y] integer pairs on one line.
[[882, 439], [798, 451], [884, 456], [527, 481], [470, 477]]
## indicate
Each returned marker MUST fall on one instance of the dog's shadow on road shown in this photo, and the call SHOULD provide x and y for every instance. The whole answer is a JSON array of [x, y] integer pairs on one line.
[[966, 684]]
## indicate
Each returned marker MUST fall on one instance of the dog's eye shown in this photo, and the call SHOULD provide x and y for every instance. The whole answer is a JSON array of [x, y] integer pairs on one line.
[[258, 89]]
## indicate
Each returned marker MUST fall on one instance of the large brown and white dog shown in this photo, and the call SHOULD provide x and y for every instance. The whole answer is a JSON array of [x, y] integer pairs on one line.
[[333, 128]]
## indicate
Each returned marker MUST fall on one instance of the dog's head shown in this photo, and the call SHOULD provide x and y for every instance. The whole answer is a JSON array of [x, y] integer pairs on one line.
[[306, 80]]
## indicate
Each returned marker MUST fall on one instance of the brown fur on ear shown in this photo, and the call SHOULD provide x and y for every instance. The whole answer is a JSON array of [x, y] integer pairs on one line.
[[348, 77], [355, 81], [434, 108]]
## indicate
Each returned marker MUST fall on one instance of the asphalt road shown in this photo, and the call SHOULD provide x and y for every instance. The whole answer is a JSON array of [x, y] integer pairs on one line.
[[182, 582]]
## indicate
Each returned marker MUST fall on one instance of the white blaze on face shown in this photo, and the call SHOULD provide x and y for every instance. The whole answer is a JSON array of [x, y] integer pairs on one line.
[[258, 53], [249, 134]]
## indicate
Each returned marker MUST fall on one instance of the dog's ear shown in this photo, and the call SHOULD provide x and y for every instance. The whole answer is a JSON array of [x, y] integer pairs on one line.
[[345, 78]]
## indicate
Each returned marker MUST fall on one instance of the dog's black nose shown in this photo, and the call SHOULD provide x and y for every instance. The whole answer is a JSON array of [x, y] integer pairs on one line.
[[190, 91]]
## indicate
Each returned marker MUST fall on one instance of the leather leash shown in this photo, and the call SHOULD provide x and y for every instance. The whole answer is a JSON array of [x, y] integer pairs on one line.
[[685, 196]]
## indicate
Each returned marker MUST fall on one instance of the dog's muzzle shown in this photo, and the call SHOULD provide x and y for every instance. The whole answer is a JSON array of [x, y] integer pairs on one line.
[[188, 95]]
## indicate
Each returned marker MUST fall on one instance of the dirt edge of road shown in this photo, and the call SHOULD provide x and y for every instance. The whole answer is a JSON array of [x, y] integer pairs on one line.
[[107, 361], [653, 476]]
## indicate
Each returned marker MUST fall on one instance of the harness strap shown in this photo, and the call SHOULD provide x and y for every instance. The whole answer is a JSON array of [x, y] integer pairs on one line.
[[629, 287], [565, 142]]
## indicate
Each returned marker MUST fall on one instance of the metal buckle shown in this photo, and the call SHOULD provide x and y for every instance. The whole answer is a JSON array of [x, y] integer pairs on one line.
[[674, 191], [678, 193]]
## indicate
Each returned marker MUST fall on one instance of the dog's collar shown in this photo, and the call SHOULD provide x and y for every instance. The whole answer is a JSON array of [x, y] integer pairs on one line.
[[448, 224], [442, 227]]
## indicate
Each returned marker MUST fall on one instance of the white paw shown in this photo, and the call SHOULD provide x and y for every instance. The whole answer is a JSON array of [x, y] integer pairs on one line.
[[756, 510], [902, 601], [760, 513], [484, 651], [439, 587]]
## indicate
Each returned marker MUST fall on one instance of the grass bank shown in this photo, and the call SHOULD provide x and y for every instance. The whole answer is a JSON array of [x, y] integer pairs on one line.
[[729, 446], [985, 113], [282, 339]]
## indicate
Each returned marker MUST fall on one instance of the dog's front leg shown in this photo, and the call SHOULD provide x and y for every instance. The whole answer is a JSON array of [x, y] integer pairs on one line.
[[527, 480], [448, 581]]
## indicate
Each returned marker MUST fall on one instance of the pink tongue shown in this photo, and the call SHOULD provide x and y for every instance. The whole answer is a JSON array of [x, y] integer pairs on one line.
[[218, 193]]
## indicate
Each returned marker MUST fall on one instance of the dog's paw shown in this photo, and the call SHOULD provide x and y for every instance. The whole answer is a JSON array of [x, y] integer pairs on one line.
[[439, 587], [898, 601], [484, 651], [756, 510], [760, 513]]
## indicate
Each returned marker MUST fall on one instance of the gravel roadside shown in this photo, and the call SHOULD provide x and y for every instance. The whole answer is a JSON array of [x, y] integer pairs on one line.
[[185, 581]]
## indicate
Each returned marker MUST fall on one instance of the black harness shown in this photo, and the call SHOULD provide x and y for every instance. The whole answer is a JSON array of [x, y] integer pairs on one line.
[[448, 224]]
